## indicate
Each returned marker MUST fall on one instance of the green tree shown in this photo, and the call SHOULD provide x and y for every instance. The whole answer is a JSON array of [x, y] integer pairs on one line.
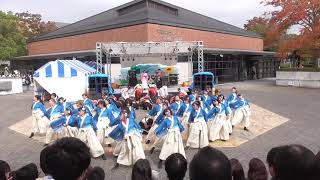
[[12, 41]]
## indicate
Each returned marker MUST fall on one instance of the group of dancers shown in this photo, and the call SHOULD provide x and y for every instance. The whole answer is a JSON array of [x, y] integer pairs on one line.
[[202, 119]]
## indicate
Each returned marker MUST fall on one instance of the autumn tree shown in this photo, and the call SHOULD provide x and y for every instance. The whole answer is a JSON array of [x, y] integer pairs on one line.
[[302, 13], [12, 41], [32, 24]]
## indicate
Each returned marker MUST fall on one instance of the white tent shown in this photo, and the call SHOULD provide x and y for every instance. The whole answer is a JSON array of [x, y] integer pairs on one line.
[[66, 78]]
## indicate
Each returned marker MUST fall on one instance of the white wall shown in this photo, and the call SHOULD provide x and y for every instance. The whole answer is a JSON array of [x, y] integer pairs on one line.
[[16, 86], [115, 73], [184, 74]]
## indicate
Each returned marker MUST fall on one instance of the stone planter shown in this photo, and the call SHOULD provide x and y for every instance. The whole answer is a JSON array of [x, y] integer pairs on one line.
[[298, 79]]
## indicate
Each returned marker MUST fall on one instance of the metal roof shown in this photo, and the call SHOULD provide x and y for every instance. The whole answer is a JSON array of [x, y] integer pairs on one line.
[[111, 19]]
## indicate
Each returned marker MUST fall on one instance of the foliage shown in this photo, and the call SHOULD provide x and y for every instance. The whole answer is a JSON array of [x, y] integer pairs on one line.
[[12, 41]]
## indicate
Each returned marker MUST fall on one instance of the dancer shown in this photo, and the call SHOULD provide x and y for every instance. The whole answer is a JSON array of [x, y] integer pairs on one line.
[[193, 96], [217, 125], [54, 114], [87, 135], [70, 125], [206, 100], [242, 112], [132, 110], [65, 104], [170, 131], [198, 136], [128, 135], [228, 114], [88, 105], [156, 113], [184, 114], [176, 105], [39, 118]]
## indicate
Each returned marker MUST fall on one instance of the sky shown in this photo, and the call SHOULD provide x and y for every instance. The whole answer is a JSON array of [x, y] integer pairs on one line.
[[235, 12]]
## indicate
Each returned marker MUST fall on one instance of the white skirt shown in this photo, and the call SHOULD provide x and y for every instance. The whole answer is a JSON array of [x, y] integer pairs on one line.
[[103, 131], [70, 131], [185, 123], [151, 134], [242, 115], [88, 136], [40, 123], [198, 135], [131, 150], [218, 128], [172, 144]]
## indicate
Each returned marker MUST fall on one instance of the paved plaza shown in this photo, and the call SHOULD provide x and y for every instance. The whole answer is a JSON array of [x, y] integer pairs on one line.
[[282, 115]]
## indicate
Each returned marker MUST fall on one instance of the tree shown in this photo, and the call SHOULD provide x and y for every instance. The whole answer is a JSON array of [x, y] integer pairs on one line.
[[289, 13], [12, 41], [32, 24]]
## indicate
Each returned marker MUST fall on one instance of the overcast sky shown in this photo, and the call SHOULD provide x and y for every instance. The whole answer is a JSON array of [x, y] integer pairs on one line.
[[235, 12]]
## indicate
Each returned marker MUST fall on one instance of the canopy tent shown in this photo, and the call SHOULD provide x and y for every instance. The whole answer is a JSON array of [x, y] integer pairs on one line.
[[66, 78]]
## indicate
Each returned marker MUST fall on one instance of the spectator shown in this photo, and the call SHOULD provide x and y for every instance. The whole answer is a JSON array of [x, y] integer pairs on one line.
[[270, 160], [237, 170], [210, 164], [27, 172], [293, 162], [141, 170], [176, 166], [316, 167], [43, 163], [257, 170], [67, 159], [4, 170], [96, 173]]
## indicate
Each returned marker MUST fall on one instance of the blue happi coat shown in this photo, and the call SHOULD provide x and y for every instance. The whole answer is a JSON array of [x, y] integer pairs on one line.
[[132, 112], [240, 103], [72, 120], [157, 113], [67, 105], [225, 105], [231, 99], [184, 108], [89, 106], [198, 114], [192, 98], [213, 112], [39, 106], [86, 122], [107, 113], [57, 110], [175, 107], [166, 124], [122, 130], [207, 101], [57, 125]]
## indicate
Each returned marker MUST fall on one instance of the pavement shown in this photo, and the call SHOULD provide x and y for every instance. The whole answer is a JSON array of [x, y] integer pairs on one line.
[[299, 108]]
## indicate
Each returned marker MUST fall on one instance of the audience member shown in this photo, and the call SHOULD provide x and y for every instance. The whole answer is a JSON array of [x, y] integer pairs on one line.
[[316, 168], [237, 170], [43, 163], [4, 170], [176, 166], [141, 170], [96, 173], [67, 159], [210, 164], [270, 160], [257, 170], [293, 162], [27, 172]]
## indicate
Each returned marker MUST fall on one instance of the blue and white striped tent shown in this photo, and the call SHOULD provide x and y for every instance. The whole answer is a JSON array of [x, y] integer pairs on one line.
[[66, 78]]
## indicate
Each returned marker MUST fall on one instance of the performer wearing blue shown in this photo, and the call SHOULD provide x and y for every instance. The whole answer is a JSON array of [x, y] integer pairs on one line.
[[64, 104], [70, 125], [87, 135], [217, 92], [113, 108], [105, 119], [176, 105], [217, 125], [231, 99], [206, 100], [228, 113], [128, 104], [54, 114], [156, 113], [242, 112], [198, 137], [129, 136], [88, 105], [170, 131], [193, 96], [39, 117], [184, 114]]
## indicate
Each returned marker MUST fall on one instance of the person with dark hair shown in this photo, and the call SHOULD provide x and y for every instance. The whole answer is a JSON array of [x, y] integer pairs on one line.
[[231, 99], [316, 168], [176, 166], [242, 112], [198, 136], [257, 170], [55, 114], [141, 170], [88, 104], [128, 134], [228, 112], [169, 137], [293, 162], [63, 102], [156, 114], [4, 170], [39, 117], [206, 100], [270, 160], [237, 170], [96, 173], [54, 96], [193, 96], [43, 162], [176, 105], [70, 125], [128, 104], [87, 134], [210, 164], [184, 114], [66, 159], [27, 172], [217, 122]]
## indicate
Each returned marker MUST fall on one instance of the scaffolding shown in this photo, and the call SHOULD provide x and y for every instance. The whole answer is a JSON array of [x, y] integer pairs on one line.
[[148, 49]]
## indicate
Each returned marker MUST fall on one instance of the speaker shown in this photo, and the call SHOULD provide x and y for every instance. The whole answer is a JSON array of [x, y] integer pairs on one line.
[[203, 81], [173, 79], [132, 79]]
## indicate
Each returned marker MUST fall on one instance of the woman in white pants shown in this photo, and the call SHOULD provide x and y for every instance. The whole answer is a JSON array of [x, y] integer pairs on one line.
[[242, 113], [227, 111], [39, 119], [198, 136]]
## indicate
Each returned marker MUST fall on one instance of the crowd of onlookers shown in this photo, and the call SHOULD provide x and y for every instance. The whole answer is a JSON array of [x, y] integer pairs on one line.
[[69, 159]]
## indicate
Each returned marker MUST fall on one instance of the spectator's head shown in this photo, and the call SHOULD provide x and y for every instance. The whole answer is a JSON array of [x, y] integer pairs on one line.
[[257, 170], [4, 170], [96, 173], [210, 164], [316, 167], [43, 160], [176, 166], [27, 172], [293, 162], [141, 170], [67, 159], [270, 159], [237, 170]]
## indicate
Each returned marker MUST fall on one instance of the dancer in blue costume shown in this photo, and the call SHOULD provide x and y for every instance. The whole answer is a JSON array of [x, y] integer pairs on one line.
[[39, 117], [242, 112]]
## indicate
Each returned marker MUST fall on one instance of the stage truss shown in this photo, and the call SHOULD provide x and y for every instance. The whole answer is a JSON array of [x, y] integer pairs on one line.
[[148, 49]]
